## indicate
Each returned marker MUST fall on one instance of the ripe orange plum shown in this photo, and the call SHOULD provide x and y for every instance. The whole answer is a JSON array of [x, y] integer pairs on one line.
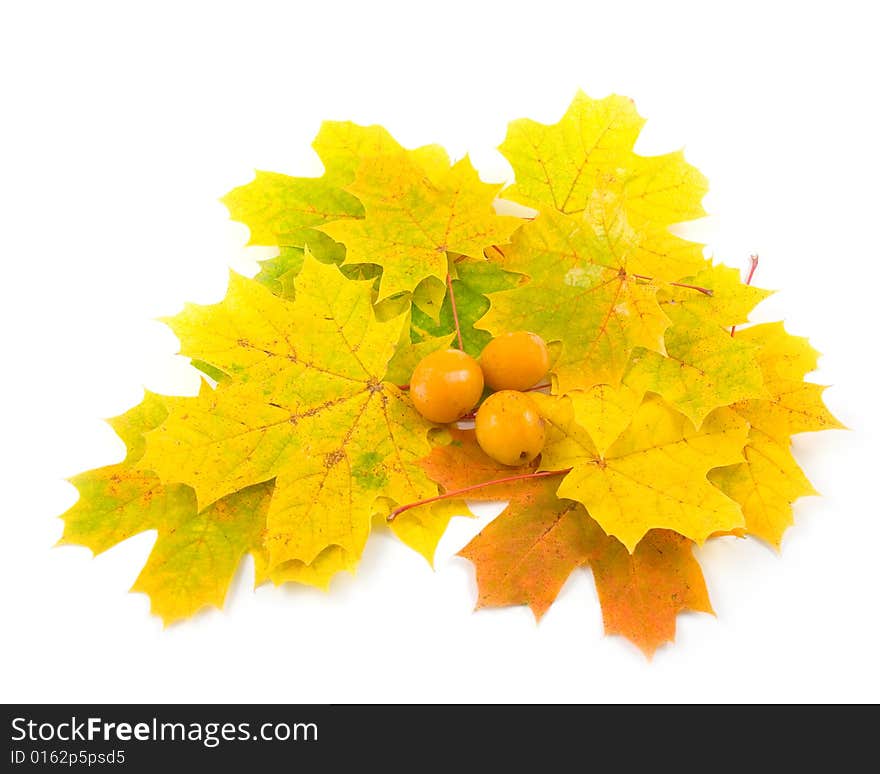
[[509, 428], [445, 385], [515, 361]]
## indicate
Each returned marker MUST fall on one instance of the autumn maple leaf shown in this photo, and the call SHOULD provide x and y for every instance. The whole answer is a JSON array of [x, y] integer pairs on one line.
[[603, 273], [526, 554], [704, 367], [196, 553], [769, 479], [285, 212], [412, 221], [305, 406], [653, 475], [562, 166], [472, 283], [578, 291]]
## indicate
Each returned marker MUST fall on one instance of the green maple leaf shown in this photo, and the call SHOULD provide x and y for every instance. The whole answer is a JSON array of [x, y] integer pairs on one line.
[[196, 553], [704, 367], [284, 211], [577, 289], [474, 282], [413, 220]]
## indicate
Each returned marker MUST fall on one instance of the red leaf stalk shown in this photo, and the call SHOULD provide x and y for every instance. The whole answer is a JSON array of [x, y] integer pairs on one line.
[[473, 487]]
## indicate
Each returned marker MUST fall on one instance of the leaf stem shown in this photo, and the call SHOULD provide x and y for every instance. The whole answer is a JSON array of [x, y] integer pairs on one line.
[[753, 260], [454, 311], [704, 291], [473, 487], [753, 264]]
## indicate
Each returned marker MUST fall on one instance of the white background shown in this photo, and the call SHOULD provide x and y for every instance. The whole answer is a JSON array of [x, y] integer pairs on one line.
[[122, 125]]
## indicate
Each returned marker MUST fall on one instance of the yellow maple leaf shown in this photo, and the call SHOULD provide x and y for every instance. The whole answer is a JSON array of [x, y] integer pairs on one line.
[[653, 475], [194, 559], [413, 220], [408, 354], [768, 481], [422, 528], [307, 407], [319, 573], [578, 291], [342, 146], [704, 367], [560, 166], [729, 303], [791, 405], [765, 485], [196, 554], [605, 412], [647, 248]]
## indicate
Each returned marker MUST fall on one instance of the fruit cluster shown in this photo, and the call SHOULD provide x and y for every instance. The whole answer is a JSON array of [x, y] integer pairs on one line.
[[448, 384]]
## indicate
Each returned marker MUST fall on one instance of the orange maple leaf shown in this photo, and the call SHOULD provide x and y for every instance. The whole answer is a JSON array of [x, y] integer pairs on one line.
[[525, 555], [641, 593]]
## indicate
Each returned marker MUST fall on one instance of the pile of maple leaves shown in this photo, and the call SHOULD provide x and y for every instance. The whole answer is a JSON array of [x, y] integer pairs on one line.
[[667, 427]]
